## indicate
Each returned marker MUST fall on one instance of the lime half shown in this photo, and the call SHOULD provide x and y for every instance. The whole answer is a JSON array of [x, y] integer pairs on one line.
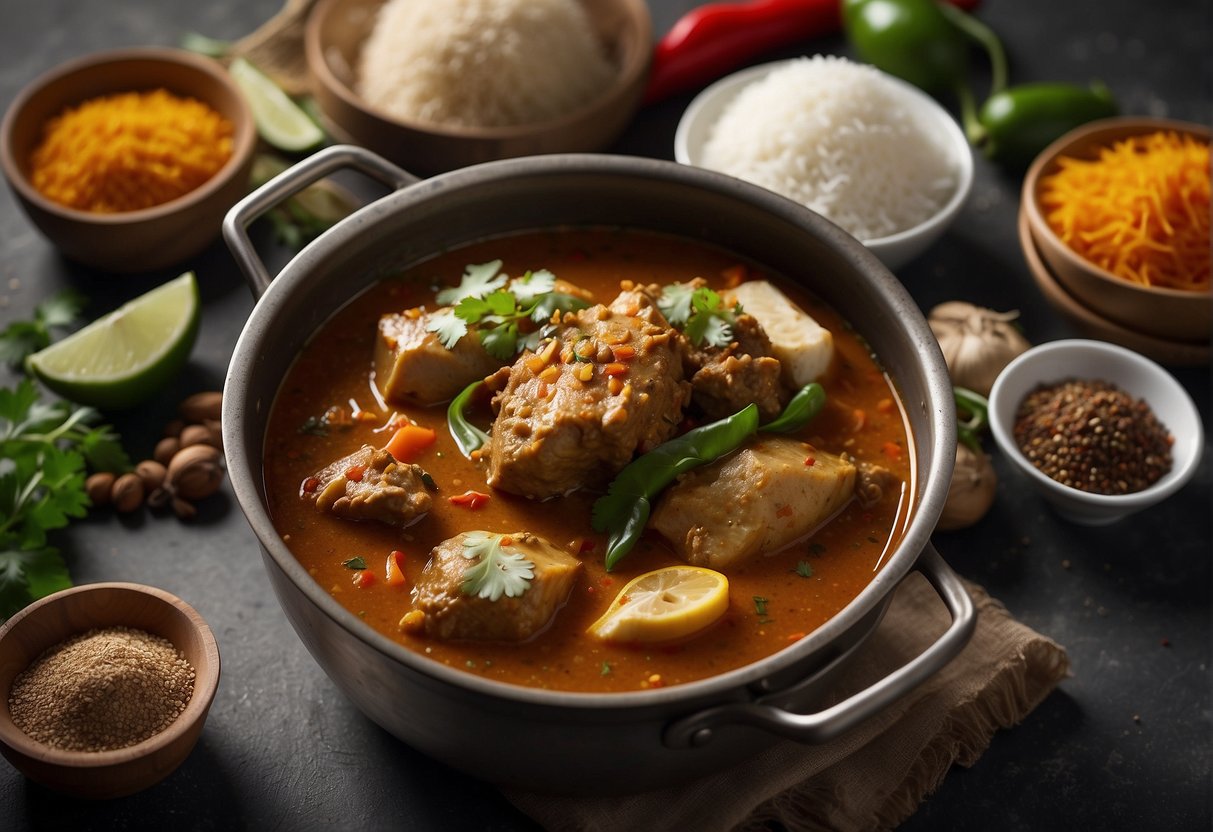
[[127, 356], [280, 121]]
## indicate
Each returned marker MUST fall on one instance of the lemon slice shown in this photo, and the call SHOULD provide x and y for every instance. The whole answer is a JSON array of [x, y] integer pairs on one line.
[[127, 356], [280, 121], [664, 604]]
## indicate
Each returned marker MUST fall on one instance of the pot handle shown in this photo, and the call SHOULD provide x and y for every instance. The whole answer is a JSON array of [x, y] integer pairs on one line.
[[290, 182], [699, 728]]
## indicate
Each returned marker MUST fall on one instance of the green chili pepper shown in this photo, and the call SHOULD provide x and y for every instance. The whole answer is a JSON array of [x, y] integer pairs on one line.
[[972, 416], [1019, 122], [624, 510], [466, 435]]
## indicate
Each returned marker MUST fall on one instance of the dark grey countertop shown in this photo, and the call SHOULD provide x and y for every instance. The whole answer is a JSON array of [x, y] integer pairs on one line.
[[1123, 744]]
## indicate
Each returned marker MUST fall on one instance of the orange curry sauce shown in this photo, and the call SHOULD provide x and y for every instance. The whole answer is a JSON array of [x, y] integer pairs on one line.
[[862, 418]]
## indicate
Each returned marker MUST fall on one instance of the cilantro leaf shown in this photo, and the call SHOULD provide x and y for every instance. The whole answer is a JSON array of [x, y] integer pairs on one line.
[[448, 326], [497, 572], [501, 341], [554, 302], [533, 284], [700, 312], [478, 281], [22, 338]]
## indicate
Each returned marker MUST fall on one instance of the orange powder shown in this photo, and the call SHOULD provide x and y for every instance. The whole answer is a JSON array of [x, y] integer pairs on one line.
[[129, 151], [1140, 210]]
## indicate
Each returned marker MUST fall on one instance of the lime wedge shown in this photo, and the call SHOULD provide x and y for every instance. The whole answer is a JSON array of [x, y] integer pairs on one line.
[[280, 121], [127, 356]]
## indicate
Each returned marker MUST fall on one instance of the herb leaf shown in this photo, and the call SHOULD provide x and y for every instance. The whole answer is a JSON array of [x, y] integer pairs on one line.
[[355, 563], [803, 569], [22, 338], [448, 326], [478, 281], [533, 284], [498, 572], [700, 313]]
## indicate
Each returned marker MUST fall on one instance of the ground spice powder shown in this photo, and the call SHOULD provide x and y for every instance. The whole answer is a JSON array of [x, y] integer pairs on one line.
[[1092, 436], [103, 690], [130, 151]]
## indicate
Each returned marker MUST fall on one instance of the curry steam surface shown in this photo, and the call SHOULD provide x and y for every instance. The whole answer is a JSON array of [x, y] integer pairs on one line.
[[775, 599]]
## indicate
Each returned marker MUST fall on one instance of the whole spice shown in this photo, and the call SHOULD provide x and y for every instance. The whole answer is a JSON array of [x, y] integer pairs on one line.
[[195, 472], [102, 690], [166, 448], [152, 474], [98, 487], [129, 151], [977, 343], [202, 407], [127, 493], [195, 435], [1090, 435]]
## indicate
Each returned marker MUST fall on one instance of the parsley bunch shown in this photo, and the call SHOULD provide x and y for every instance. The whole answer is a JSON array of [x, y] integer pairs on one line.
[[44, 451], [499, 309], [700, 313]]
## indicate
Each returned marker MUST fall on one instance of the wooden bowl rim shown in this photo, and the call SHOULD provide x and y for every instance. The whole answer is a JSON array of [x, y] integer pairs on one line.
[[244, 140], [632, 71], [206, 683], [1098, 133]]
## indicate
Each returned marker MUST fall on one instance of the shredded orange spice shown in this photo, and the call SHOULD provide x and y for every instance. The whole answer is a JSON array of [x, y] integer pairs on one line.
[[1139, 210], [129, 151]]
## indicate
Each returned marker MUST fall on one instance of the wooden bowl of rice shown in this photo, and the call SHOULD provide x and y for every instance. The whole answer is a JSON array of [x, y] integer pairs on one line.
[[1156, 309], [450, 90], [131, 238]]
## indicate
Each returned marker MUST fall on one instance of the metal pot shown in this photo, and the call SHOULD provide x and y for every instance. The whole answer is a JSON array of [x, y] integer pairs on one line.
[[551, 740]]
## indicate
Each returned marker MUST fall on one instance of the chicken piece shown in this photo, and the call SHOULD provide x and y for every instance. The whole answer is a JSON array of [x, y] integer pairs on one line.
[[726, 379], [413, 367], [370, 484], [753, 502], [576, 412], [455, 610]]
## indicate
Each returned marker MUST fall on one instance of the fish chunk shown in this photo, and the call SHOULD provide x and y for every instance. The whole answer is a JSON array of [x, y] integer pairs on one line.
[[753, 502], [413, 367], [370, 484], [453, 613]]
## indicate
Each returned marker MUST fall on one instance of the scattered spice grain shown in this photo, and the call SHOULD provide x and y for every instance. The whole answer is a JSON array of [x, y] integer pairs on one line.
[[130, 151], [1090, 435], [102, 690]]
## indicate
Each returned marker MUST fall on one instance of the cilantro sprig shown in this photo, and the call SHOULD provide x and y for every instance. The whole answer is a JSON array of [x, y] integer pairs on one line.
[[700, 313], [501, 317], [22, 338], [497, 572], [45, 451]]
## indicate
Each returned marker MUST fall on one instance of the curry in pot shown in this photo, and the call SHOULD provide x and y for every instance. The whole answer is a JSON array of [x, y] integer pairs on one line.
[[589, 460]]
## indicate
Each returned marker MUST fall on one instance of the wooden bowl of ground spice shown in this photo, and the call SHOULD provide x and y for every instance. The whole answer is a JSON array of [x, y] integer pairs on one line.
[[127, 160], [1100, 430], [104, 688]]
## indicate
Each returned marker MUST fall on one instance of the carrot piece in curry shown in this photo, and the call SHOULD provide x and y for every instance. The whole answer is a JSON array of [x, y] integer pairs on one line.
[[409, 441]]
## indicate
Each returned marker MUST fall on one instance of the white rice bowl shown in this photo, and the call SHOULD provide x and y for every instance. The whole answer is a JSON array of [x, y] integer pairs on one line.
[[838, 137]]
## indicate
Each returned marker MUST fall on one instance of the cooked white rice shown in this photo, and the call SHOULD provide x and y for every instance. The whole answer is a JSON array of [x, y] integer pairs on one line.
[[485, 63], [835, 136]]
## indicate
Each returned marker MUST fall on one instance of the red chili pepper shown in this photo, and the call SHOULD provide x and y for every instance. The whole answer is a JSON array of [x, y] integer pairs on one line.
[[710, 41], [471, 499]]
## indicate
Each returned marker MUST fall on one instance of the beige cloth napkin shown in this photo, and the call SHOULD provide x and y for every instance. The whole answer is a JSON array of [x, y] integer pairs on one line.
[[875, 776]]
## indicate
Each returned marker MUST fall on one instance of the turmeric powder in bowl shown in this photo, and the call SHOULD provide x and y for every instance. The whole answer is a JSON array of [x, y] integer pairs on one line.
[[130, 151], [1140, 209]]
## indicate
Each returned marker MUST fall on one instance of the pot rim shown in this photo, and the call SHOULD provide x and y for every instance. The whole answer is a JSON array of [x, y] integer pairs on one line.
[[247, 480]]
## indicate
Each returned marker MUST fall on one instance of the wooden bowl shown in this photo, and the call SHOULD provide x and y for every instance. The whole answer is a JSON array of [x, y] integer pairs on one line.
[[1170, 314], [147, 239], [337, 29], [45, 623]]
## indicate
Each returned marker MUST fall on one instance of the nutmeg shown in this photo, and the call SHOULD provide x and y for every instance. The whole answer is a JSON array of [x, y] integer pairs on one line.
[[202, 407], [98, 487], [127, 493], [195, 435], [152, 474], [184, 509], [166, 448], [195, 472]]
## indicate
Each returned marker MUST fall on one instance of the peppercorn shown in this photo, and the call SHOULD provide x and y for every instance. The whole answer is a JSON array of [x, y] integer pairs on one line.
[[1090, 435]]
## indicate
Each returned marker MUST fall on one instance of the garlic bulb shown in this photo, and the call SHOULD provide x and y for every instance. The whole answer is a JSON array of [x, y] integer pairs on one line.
[[976, 342], [972, 490]]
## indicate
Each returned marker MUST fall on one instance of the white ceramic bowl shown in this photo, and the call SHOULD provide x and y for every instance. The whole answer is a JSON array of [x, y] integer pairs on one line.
[[894, 250], [1134, 374]]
